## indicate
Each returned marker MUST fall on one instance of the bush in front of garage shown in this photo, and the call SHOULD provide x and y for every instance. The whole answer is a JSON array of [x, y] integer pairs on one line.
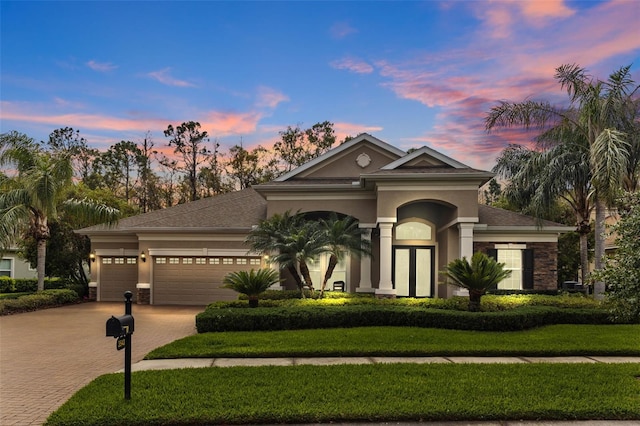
[[40, 300], [308, 317]]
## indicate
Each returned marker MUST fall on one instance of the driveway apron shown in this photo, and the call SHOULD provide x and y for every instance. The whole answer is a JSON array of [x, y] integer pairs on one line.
[[46, 356]]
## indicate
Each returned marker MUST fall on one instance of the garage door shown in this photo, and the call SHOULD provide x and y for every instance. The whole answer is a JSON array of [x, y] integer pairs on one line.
[[195, 280], [117, 275]]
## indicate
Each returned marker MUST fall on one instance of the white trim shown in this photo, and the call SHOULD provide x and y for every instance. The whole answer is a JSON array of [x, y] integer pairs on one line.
[[382, 220], [367, 225], [143, 285], [510, 246], [311, 197], [505, 238], [117, 252], [391, 291], [420, 186], [190, 237], [12, 263], [114, 239], [93, 284], [458, 220], [198, 252]]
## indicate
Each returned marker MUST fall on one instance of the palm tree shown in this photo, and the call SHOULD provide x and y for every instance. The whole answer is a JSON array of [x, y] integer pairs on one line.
[[342, 237], [251, 283], [538, 178], [36, 194], [483, 273], [268, 238], [603, 113]]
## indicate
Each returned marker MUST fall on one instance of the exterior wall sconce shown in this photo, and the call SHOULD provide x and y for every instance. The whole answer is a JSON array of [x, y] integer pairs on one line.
[[143, 257], [92, 257]]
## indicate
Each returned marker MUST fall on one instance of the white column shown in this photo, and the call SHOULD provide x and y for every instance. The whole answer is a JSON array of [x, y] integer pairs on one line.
[[385, 287], [466, 250], [365, 268], [466, 240]]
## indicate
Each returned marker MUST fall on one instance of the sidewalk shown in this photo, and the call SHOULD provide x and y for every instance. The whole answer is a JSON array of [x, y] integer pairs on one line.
[[167, 364]]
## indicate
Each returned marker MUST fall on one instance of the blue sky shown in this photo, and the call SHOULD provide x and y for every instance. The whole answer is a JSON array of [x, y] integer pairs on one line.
[[410, 73]]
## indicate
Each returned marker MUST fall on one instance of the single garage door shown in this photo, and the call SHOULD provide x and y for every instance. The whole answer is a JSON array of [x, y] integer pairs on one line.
[[117, 275], [195, 280]]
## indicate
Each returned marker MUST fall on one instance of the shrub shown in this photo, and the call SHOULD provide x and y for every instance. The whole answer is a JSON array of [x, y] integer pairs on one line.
[[7, 284], [32, 302], [306, 317]]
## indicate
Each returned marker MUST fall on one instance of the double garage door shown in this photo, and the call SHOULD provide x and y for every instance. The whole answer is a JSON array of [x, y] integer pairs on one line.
[[189, 280]]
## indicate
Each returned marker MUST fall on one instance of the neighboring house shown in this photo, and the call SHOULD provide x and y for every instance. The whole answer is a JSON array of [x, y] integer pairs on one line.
[[420, 211], [14, 266]]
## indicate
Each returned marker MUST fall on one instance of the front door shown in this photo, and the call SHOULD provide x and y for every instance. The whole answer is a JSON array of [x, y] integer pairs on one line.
[[413, 271]]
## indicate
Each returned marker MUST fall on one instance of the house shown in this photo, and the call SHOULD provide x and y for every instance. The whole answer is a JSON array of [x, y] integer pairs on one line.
[[13, 265], [420, 210]]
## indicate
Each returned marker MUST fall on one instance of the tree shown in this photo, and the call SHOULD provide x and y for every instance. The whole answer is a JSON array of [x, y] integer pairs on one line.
[[189, 143], [37, 194], [622, 270], [251, 283], [478, 276], [342, 237], [602, 113], [67, 142], [297, 146], [120, 164], [493, 192], [537, 179], [248, 168]]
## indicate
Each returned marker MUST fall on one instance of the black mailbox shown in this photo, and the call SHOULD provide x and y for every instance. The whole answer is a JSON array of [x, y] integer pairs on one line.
[[120, 326]]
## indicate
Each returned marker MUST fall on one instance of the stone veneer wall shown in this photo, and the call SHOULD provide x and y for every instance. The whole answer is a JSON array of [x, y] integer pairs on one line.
[[545, 262], [143, 296]]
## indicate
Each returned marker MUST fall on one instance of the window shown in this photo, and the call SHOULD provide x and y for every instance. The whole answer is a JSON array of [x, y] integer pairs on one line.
[[118, 260], [513, 262], [6, 267], [201, 260], [132, 260], [241, 261], [161, 260], [254, 261], [227, 261], [106, 261], [174, 260], [214, 261], [413, 231], [187, 260]]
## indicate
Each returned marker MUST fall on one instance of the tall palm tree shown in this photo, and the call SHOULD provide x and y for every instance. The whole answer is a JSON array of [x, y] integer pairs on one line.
[[37, 193], [478, 276], [602, 112], [536, 179], [342, 237]]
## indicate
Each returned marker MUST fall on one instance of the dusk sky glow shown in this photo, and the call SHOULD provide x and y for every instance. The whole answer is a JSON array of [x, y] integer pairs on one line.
[[410, 73]]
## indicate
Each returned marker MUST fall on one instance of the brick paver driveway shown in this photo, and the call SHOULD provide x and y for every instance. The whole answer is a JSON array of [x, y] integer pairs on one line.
[[46, 356]]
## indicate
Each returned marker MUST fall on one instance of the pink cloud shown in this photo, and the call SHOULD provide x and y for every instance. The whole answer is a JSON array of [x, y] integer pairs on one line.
[[352, 64], [536, 9], [164, 77], [341, 30], [230, 123], [344, 129], [101, 66], [268, 97]]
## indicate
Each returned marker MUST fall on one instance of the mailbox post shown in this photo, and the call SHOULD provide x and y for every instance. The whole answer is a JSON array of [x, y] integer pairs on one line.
[[122, 328]]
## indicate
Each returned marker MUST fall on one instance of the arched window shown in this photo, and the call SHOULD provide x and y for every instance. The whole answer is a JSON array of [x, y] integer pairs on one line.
[[413, 231]]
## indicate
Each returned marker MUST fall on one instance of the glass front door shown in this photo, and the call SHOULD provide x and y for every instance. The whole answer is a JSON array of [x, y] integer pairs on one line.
[[413, 271]]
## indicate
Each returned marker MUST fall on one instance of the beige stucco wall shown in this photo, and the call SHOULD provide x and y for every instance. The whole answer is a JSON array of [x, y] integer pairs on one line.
[[344, 164], [362, 206], [464, 201]]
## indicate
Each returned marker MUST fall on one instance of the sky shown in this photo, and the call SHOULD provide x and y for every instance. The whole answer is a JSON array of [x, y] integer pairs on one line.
[[411, 73]]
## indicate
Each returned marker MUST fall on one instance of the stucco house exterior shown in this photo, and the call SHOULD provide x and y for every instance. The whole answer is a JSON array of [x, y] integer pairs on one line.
[[420, 210], [13, 265]]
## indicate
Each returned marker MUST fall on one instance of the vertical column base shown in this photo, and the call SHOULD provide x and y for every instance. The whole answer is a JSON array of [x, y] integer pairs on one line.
[[93, 291], [385, 293], [143, 294]]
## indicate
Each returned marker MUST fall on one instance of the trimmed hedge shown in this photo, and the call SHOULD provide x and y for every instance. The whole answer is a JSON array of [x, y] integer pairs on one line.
[[35, 301], [30, 285], [300, 317]]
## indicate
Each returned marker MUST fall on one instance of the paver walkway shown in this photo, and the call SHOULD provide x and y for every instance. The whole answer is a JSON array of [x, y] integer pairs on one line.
[[46, 356]]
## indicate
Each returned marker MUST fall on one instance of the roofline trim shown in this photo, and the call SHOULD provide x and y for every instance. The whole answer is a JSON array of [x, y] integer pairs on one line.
[[429, 151]]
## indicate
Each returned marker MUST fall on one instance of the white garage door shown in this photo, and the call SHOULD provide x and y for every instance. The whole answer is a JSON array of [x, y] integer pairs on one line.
[[117, 275], [195, 280]]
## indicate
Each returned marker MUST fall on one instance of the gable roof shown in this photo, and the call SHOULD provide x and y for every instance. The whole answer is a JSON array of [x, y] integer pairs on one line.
[[336, 151], [231, 212], [428, 155]]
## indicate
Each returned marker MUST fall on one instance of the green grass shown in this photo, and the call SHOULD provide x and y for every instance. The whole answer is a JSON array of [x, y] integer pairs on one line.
[[393, 392], [553, 340]]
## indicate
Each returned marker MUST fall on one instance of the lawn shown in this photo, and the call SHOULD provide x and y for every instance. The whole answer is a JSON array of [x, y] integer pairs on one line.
[[555, 340], [393, 392]]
